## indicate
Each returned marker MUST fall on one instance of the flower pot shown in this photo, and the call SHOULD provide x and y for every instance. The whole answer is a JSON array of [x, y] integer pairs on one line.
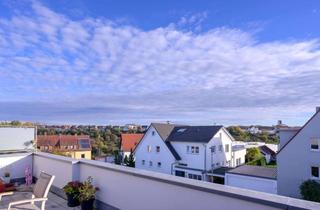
[[73, 201], [87, 205]]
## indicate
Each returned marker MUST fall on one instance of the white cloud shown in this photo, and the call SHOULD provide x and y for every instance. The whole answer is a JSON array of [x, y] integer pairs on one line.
[[155, 74]]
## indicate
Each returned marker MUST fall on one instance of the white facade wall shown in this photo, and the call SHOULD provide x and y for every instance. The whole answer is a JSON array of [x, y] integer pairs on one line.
[[165, 156], [251, 183], [295, 160], [192, 160], [238, 154], [14, 138], [220, 157]]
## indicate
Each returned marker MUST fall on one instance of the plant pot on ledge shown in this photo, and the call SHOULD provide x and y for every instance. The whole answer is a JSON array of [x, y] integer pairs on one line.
[[72, 192], [87, 204], [73, 200], [87, 194]]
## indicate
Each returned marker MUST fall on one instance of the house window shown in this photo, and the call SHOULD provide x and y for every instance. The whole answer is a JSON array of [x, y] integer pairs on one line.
[[194, 176], [228, 163], [315, 172], [213, 149], [150, 163], [227, 148], [220, 148], [188, 149], [158, 148], [153, 133], [238, 161], [194, 150], [314, 144], [83, 156], [143, 162], [149, 148], [159, 164]]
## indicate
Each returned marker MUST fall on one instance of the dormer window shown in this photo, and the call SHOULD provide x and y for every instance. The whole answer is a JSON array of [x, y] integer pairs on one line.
[[314, 144]]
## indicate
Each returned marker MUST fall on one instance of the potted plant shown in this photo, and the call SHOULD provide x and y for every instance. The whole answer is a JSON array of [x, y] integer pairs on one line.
[[6, 177], [72, 191], [87, 194]]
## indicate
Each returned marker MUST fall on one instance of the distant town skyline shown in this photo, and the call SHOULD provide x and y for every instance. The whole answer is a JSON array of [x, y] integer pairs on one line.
[[192, 62]]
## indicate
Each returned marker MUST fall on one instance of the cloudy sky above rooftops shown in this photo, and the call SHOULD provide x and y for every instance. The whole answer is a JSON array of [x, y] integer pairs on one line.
[[195, 62]]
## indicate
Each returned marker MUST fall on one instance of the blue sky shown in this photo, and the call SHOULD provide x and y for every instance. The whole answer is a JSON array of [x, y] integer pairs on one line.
[[196, 62]]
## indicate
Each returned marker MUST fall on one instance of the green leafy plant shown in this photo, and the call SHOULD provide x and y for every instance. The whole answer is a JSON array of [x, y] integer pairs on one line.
[[87, 191], [72, 188], [310, 190]]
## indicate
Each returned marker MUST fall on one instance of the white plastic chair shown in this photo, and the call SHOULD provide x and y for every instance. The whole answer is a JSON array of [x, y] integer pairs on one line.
[[40, 192]]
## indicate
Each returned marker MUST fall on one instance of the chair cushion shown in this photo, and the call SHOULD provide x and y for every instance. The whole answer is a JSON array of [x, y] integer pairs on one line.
[[41, 185]]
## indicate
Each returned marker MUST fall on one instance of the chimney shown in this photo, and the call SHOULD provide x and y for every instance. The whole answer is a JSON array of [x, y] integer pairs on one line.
[[317, 108]]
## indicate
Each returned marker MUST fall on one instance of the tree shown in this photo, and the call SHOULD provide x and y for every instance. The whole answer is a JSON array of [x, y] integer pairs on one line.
[[131, 162], [117, 158], [125, 160], [253, 154], [310, 190]]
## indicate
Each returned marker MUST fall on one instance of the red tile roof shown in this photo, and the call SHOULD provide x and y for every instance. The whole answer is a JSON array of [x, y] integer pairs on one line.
[[130, 140], [59, 140]]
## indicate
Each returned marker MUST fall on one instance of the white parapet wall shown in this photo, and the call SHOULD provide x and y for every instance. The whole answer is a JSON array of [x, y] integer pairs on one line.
[[15, 164], [135, 189]]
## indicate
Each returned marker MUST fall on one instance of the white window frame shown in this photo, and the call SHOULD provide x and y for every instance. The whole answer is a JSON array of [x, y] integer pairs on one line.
[[317, 140], [158, 149], [149, 149], [314, 177], [226, 148], [213, 149]]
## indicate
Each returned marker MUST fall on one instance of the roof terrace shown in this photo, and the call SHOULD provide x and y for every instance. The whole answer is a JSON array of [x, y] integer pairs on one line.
[[129, 188]]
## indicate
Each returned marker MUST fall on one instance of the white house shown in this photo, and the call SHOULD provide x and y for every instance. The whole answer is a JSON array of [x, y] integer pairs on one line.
[[299, 157], [187, 151], [253, 178]]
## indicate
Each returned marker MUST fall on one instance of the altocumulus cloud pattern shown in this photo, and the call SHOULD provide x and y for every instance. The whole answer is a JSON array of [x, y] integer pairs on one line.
[[58, 69]]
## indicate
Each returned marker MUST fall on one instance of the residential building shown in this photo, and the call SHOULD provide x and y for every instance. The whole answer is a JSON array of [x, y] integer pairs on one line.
[[72, 146], [129, 141], [268, 153], [298, 158], [257, 178], [187, 151], [117, 182]]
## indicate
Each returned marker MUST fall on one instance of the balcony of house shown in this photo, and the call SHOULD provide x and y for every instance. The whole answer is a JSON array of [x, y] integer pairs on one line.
[[129, 188]]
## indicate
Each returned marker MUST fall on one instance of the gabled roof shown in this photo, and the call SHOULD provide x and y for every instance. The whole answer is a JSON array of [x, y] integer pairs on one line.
[[62, 140], [202, 134], [163, 129], [173, 151], [130, 140], [266, 150], [255, 171], [298, 131]]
